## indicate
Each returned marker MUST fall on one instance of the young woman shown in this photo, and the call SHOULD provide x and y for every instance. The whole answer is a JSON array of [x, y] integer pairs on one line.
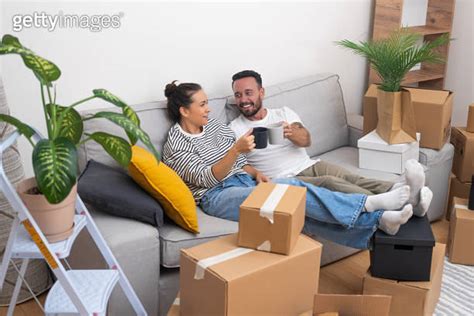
[[205, 153]]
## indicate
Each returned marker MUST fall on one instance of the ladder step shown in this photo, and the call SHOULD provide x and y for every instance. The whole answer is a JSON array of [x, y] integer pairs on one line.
[[93, 286], [24, 247]]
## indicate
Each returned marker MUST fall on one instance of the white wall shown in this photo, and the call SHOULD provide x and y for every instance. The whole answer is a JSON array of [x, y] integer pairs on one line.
[[202, 42]]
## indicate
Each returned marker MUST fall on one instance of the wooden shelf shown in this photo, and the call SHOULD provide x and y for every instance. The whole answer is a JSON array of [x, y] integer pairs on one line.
[[428, 30], [439, 21]]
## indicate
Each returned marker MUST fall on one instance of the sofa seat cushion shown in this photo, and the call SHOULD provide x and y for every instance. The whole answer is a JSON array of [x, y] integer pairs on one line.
[[348, 157], [173, 238]]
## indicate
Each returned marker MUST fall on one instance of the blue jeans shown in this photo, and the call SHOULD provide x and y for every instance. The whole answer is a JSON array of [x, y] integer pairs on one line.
[[334, 216]]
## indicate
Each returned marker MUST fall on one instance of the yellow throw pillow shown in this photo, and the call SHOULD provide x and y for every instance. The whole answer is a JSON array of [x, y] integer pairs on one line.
[[161, 182]]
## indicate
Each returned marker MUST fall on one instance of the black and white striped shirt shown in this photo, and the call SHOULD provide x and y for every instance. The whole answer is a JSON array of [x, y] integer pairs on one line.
[[192, 155]]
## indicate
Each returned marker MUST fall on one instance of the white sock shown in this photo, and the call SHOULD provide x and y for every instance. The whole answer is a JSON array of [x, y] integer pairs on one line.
[[391, 221], [426, 195], [415, 177], [389, 200], [396, 185]]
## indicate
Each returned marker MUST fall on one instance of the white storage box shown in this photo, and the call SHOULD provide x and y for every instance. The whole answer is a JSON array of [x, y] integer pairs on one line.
[[377, 154]]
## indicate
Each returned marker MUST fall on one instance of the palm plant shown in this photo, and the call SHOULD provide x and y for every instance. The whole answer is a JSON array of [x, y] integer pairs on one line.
[[55, 157], [393, 57]]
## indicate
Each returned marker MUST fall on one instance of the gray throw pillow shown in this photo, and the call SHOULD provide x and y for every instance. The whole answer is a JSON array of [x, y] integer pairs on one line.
[[113, 191]]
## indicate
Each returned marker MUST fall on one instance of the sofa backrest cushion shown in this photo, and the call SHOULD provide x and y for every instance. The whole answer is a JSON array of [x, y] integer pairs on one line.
[[319, 102], [153, 120]]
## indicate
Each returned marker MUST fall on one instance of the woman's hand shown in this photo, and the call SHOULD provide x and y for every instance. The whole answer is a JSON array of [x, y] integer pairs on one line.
[[245, 143], [260, 177]]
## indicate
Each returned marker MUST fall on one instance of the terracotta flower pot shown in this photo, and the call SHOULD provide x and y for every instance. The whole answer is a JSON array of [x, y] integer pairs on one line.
[[56, 221]]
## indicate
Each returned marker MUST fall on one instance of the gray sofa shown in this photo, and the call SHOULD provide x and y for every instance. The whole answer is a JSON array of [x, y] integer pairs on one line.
[[150, 256]]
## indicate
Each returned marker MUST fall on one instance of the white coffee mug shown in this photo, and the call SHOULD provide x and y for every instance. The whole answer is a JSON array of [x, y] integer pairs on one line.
[[275, 134]]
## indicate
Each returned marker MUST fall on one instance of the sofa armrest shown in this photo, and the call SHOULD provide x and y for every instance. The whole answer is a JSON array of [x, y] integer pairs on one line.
[[355, 123]]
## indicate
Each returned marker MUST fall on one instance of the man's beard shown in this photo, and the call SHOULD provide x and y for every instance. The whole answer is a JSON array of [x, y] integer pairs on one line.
[[256, 107]]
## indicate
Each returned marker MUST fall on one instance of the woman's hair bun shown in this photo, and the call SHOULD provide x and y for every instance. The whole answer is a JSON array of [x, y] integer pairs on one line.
[[171, 88]]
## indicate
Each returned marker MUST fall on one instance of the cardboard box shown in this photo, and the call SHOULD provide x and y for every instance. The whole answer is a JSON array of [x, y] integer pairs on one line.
[[405, 256], [411, 298], [461, 233], [352, 305], [174, 309], [377, 154], [285, 205], [470, 119], [463, 161], [219, 278], [459, 189], [433, 109]]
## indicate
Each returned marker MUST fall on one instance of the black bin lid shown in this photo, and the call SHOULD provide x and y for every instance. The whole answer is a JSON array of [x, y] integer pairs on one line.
[[417, 232]]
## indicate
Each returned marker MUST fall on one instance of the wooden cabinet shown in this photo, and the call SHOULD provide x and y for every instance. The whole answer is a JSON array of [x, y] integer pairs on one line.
[[439, 20]]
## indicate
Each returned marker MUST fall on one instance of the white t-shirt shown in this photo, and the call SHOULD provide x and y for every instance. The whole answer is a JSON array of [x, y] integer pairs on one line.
[[275, 161]]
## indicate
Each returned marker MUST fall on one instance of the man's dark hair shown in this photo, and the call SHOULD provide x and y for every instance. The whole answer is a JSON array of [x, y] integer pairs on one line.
[[248, 73]]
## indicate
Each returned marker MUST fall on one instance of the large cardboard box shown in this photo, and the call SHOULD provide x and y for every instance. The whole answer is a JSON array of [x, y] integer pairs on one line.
[[377, 154], [463, 161], [461, 233], [352, 305], [219, 278], [411, 298], [433, 109], [459, 189], [470, 119], [272, 217], [406, 255]]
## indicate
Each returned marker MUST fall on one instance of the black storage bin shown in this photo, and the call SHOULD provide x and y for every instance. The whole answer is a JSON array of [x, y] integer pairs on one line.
[[405, 256]]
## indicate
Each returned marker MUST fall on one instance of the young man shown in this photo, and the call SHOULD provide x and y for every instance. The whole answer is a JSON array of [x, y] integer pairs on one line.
[[290, 158]]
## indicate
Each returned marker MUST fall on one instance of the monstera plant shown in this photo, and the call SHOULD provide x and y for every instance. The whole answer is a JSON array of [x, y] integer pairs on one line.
[[55, 156]]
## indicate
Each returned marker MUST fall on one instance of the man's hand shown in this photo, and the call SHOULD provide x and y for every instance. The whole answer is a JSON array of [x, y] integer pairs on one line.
[[260, 177], [245, 143], [297, 134]]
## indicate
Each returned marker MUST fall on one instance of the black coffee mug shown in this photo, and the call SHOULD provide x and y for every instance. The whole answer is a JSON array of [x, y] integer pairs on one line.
[[261, 137], [471, 196]]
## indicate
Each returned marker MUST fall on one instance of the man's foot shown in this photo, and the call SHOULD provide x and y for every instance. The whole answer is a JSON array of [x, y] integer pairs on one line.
[[415, 177], [426, 195], [397, 185], [391, 221], [390, 200]]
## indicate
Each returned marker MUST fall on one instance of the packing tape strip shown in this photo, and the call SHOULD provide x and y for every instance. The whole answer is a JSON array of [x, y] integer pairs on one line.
[[203, 264], [265, 246], [270, 204], [460, 206]]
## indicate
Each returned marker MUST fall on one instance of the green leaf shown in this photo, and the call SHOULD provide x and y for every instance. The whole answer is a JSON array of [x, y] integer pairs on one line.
[[55, 166], [109, 97], [130, 113], [22, 127], [44, 70], [130, 127], [117, 147], [69, 122]]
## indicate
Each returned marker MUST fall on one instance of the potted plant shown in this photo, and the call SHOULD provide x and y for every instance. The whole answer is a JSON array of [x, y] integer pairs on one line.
[[55, 156], [392, 58]]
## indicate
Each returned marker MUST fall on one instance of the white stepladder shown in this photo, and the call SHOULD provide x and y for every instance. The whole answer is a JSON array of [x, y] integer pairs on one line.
[[76, 292]]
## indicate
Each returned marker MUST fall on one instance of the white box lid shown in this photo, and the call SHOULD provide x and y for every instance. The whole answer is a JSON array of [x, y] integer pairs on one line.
[[373, 141]]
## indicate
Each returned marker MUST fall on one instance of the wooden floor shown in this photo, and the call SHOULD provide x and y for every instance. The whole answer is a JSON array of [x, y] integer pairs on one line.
[[343, 277]]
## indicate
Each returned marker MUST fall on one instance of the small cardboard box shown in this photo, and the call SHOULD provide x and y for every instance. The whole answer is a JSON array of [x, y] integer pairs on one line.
[[219, 278], [461, 233], [285, 205], [352, 305], [377, 154], [405, 256], [174, 309], [433, 109], [463, 161], [459, 189], [411, 298]]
